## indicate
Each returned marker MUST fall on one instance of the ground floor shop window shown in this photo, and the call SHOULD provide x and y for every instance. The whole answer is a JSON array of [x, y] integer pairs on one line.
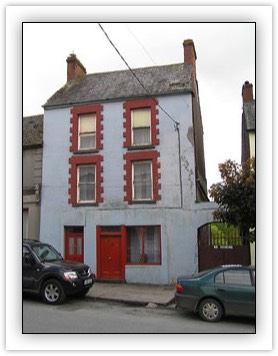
[[143, 244]]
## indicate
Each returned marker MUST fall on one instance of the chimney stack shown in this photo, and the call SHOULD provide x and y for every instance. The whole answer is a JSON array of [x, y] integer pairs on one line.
[[75, 68], [247, 92], [190, 54]]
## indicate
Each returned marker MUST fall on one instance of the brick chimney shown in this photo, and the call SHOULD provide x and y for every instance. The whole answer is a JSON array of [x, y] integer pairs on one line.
[[190, 54], [247, 92], [75, 68]]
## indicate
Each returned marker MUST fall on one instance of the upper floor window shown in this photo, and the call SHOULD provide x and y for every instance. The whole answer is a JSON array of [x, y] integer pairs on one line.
[[87, 131], [86, 128], [140, 123], [142, 176], [142, 180], [141, 126], [86, 183]]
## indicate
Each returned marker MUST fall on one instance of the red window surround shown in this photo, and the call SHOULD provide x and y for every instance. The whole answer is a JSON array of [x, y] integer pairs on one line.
[[79, 110], [74, 162], [136, 104], [131, 157]]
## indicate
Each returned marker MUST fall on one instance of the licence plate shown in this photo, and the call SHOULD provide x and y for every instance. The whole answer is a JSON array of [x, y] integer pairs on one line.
[[88, 281]]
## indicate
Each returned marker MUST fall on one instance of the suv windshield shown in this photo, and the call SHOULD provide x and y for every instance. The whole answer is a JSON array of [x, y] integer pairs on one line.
[[46, 253]]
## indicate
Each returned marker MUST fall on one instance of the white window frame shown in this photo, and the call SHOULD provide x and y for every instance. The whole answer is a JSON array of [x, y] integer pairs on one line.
[[78, 183], [86, 134], [149, 127], [133, 188]]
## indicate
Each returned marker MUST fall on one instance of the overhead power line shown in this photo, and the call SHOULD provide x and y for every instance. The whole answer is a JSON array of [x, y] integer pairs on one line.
[[176, 123], [140, 43]]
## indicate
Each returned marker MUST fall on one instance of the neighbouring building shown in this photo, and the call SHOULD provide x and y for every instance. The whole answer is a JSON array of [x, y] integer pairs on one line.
[[124, 183], [248, 146], [248, 122], [32, 134]]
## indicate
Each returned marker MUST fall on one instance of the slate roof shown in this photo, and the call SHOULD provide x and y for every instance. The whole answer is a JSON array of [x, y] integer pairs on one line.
[[32, 129], [250, 115], [116, 85]]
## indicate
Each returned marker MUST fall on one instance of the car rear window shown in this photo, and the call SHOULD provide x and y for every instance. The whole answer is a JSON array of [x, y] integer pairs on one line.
[[241, 277]]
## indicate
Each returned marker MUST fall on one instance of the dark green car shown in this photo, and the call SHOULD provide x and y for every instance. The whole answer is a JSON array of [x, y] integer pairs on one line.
[[225, 290]]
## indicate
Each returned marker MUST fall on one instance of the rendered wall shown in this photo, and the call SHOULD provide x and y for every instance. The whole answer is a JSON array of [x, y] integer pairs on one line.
[[176, 213]]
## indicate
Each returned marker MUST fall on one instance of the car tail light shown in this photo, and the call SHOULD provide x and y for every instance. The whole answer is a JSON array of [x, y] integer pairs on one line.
[[179, 288]]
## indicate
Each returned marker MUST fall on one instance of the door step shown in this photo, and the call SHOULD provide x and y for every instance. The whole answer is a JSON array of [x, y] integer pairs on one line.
[[110, 280]]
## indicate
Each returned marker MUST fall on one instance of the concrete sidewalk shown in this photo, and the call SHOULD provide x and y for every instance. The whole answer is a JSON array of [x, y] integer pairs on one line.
[[142, 294]]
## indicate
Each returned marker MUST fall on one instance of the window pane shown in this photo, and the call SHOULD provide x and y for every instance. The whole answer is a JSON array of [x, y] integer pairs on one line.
[[141, 117], [86, 183], [79, 246], [86, 192], [110, 228], [142, 180], [87, 141], [237, 277], [86, 174], [87, 129], [74, 229], [71, 246], [87, 123], [134, 244], [219, 278], [141, 136], [152, 244], [141, 126]]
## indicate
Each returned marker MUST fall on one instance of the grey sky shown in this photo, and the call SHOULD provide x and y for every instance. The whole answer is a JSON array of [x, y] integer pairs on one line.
[[225, 60]]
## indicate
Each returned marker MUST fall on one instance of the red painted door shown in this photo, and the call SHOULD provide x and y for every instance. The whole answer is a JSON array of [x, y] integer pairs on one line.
[[111, 257], [74, 246]]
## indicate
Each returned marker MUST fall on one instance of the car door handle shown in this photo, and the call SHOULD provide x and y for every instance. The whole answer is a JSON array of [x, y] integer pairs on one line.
[[220, 290]]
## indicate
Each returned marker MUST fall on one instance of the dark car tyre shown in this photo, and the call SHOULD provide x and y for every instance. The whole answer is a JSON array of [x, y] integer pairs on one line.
[[53, 292], [210, 310]]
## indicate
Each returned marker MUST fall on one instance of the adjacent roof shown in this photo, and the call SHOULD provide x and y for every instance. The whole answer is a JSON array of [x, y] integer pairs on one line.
[[250, 115], [32, 127], [116, 85]]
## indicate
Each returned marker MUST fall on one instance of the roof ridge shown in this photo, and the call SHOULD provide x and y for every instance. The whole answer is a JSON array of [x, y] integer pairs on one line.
[[136, 69]]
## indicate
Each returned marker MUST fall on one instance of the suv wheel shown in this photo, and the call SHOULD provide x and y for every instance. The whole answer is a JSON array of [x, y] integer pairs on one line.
[[210, 310], [53, 292]]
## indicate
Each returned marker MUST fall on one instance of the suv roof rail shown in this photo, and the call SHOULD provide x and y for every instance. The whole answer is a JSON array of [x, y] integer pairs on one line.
[[232, 265]]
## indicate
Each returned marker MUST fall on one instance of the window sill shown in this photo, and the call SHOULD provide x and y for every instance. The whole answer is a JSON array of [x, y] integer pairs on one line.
[[140, 147], [80, 152], [140, 202], [83, 204]]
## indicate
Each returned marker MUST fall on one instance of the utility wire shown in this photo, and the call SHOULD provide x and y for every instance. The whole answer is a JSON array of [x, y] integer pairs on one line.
[[176, 123], [140, 43]]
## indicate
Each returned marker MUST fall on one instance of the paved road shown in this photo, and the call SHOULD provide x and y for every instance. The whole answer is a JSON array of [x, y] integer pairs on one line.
[[91, 316]]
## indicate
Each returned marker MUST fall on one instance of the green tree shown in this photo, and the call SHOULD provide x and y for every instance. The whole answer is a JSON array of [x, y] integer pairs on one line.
[[236, 196]]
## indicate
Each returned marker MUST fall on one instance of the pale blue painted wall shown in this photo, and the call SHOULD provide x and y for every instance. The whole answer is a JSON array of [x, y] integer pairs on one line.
[[178, 226]]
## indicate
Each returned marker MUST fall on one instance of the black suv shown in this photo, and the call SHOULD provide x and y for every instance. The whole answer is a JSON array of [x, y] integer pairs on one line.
[[45, 272]]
